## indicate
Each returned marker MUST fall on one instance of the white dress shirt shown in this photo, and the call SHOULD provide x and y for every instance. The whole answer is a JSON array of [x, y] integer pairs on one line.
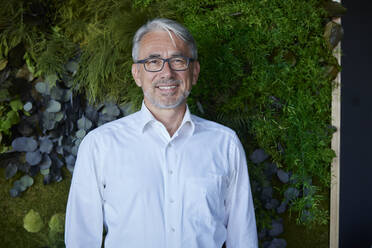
[[150, 190]]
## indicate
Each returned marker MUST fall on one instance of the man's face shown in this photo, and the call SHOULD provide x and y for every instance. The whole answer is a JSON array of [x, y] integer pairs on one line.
[[167, 88]]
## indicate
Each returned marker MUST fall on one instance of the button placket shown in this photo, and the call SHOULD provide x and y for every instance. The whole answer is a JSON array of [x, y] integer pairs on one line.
[[171, 193]]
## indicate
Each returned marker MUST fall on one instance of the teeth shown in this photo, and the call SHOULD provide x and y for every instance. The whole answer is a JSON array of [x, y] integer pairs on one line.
[[166, 87]]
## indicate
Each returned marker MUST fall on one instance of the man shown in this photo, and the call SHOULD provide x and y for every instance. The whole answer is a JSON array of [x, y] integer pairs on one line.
[[161, 177]]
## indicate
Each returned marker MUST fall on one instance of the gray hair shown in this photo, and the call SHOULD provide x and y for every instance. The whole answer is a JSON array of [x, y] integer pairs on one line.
[[166, 25]]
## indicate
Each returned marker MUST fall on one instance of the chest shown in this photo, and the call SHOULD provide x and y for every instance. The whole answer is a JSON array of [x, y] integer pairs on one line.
[[151, 168]]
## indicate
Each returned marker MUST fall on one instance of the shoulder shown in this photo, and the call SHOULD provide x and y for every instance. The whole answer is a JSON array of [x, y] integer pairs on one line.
[[214, 128], [125, 125]]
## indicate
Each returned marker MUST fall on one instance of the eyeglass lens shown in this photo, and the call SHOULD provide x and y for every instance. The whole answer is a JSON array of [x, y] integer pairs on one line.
[[156, 64]]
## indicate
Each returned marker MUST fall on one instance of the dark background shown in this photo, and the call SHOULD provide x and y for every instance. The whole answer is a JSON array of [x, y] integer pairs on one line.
[[356, 123]]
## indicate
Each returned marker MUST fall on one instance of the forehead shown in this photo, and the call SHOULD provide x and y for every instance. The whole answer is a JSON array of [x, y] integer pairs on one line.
[[163, 44]]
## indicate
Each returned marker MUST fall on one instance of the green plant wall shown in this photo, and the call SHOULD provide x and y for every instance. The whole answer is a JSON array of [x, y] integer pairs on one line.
[[267, 71]]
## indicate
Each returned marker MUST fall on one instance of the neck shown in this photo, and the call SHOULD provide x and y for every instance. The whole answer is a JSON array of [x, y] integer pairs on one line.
[[170, 118]]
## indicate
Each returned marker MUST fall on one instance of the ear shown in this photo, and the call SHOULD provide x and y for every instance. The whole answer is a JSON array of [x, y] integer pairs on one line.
[[136, 74], [195, 73]]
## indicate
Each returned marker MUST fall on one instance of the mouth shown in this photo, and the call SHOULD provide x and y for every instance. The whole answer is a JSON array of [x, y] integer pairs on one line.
[[167, 87], [167, 90]]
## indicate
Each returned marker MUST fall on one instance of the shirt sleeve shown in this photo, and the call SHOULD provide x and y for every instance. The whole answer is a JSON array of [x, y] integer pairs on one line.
[[241, 222], [84, 215]]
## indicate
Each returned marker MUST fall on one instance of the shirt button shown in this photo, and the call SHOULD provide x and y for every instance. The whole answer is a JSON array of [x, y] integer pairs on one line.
[[172, 229], [170, 172], [171, 200]]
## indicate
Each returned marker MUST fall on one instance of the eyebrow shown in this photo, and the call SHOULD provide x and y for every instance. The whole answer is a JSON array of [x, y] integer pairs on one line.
[[155, 55], [177, 54]]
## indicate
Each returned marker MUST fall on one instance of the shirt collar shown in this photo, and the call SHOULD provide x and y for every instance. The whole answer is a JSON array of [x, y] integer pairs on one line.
[[147, 118]]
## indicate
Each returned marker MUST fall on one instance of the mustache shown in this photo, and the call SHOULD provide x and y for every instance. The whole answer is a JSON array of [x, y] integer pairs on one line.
[[165, 82]]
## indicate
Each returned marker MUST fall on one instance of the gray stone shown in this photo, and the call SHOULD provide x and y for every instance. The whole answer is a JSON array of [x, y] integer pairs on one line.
[[74, 150], [306, 216], [10, 170], [59, 150], [91, 113], [258, 156], [281, 209], [273, 203], [42, 88], [70, 168], [111, 109], [19, 186], [278, 243], [276, 228], [53, 106], [309, 190], [33, 158], [27, 181], [291, 193], [270, 169], [58, 94], [84, 123], [127, 109], [28, 106], [13, 192], [24, 144], [48, 121], [266, 244], [267, 193], [46, 145], [80, 134], [46, 162], [262, 234], [283, 176], [56, 161], [103, 118], [72, 67], [70, 160]]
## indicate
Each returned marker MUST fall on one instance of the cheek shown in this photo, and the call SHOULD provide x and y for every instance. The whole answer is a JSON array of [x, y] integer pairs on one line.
[[147, 80]]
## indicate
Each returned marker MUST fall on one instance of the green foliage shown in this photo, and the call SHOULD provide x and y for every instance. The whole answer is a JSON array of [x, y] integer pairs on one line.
[[266, 71], [28, 27], [32, 222], [9, 116], [262, 73], [105, 72], [57, 222]]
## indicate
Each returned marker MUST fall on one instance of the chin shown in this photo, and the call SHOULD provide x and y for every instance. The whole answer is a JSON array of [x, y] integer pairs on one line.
[[168, 105]]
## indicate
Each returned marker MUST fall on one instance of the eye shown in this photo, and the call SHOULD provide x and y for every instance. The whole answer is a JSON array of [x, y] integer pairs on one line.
[[153, 61], [179, 61]]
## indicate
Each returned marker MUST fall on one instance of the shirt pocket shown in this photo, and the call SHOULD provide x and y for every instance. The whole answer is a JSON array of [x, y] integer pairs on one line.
[[205, 199]]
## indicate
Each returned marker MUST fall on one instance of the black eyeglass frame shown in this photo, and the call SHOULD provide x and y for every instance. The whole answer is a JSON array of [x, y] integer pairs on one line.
[[188, 60]]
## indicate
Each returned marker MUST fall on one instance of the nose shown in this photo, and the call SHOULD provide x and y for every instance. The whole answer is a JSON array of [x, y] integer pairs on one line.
[[167, 71]]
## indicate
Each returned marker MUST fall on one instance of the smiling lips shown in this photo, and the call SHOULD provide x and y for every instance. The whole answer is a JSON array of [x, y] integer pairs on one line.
[[167, 90], [168, 87]]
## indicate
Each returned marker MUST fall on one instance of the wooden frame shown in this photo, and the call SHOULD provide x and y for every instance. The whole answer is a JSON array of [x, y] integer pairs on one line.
[[335, 167]]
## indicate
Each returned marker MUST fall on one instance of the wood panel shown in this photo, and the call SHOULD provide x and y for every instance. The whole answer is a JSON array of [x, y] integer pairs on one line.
[[335, 167]]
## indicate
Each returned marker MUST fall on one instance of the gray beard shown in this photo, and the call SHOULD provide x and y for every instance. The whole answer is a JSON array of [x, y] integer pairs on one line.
[[181, 100]]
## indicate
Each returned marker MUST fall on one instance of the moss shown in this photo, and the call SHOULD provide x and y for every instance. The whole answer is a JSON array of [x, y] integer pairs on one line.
[[46, 200], [307, 236]]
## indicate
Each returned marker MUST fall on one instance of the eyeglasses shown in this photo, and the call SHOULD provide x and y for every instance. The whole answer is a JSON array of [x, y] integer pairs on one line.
[[178, 63]]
